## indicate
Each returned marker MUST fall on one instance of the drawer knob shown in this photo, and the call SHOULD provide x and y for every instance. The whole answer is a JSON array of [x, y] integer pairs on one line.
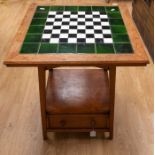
[[62, 123]]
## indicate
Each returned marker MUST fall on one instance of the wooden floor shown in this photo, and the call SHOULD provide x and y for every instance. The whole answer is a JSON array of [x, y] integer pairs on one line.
[[20, 123]]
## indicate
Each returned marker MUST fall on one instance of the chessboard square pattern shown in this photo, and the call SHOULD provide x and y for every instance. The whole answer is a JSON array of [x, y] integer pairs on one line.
[[72, 27], [77, 29]]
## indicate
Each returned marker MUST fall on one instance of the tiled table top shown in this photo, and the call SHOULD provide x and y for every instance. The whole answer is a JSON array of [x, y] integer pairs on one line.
[[77, 29]]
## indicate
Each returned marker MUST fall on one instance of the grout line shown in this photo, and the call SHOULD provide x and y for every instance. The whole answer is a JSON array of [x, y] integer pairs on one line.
[[77, 28], [95, 48], [57, 48], [95, 42], [43, 31], [111, 30], [76, 48]]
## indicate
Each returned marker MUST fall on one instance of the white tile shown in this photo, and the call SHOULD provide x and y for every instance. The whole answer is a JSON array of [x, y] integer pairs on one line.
[[96, 19], [81, 12], [95, 12], [98, 35], [106, 31], [72, 31], [46, 36], [59, 16], [89, 23], [105, 23], [89, 31], [57, 23], [54, 40], [65, 27], [66, 13], [48, 27], [97, 27], [50, 19], [72, 40], [55, 31], [73, 23], [108, 40], [64, 35], [52, 13], [65, 19], [81, 19], [73, 16], [88, 16], [104, 16], [81, 27], [90, 40], [81, 35]]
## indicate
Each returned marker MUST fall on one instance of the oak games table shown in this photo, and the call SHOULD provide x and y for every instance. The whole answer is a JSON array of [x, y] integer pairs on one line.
[[69, 36]]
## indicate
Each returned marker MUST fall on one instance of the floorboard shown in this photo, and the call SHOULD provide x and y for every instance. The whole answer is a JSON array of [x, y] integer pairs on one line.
[[20, 122]]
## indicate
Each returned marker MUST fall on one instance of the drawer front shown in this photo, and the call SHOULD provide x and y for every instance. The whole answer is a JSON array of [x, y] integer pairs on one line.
[[78, 121]]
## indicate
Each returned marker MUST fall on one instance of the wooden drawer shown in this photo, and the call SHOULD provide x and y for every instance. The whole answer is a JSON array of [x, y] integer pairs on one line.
[[78, 121]]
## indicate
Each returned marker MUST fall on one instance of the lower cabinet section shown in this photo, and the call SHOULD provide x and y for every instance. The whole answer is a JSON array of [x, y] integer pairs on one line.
[[82, 121]]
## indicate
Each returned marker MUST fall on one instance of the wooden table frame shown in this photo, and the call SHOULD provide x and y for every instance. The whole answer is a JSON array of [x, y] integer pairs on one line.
[[138, 58], [42, 91], [49, 61]]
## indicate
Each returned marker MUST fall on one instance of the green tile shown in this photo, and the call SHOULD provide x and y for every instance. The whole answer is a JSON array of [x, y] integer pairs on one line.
[[98, 8], [84, 8], [112, 9], [38, 21], [71, 8], [85, 48], [123, 48], [48, 48], [40, 15], [42, 8], [120, 38], [29, 48], [114, 15], [118, 29], [105, 48], [67, 48], [31, 38], [57, 8], [116, 22], [36, 29]]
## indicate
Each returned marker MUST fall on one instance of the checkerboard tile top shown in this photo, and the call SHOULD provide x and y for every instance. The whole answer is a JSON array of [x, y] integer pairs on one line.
[[77, 27]]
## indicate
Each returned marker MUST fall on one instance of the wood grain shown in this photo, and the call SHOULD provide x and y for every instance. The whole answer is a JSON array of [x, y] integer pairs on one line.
[[20, 123], [112, 83], [141, 8], [139, 56], [42, 94]]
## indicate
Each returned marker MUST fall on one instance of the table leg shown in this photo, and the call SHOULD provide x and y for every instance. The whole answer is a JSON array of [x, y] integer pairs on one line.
[[42, 91], [112, 79]]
